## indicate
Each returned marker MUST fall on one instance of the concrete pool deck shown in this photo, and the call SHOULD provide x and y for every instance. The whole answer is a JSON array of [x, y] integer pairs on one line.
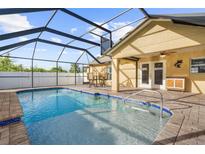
[[186, 126]]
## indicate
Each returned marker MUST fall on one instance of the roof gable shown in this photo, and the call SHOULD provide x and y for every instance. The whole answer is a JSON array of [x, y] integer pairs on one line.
[[158, 35]]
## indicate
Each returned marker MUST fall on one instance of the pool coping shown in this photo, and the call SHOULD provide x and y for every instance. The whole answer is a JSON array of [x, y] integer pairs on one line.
[[165, 109]]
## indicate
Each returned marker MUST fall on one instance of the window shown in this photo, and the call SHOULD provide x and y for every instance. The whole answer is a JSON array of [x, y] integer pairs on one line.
[[145, 73], [109, 72], [198, 65]]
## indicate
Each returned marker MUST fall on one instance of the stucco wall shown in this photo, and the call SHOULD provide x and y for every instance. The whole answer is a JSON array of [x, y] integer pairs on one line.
[[128, 69], [195, 82], [127, 73]]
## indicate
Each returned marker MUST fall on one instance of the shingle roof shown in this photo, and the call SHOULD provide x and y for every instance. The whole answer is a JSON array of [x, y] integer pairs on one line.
[[197, 19]]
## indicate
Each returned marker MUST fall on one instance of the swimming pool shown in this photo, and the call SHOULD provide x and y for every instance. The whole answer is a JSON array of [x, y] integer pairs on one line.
[[65, 116]]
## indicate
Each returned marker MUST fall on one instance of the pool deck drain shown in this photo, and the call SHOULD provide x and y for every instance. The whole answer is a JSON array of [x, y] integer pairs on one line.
[[186, 126]]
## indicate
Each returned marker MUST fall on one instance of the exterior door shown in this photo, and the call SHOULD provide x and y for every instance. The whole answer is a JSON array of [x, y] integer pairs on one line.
[[158, 75], [144, 75], [152, 75]]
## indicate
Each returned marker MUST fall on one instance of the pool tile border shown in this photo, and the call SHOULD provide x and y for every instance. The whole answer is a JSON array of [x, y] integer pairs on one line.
[[10, 121], [165, 109]]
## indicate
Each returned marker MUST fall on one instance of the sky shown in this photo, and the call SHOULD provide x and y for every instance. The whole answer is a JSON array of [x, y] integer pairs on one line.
[[71, 25]]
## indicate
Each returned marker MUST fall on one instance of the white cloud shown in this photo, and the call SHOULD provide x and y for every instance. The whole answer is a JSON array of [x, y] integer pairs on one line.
[[13, 23], [98, 55], [112, 25], [55, 39], [73, 30], [23, 38], [120, 33], [97, 31], [65, 52]]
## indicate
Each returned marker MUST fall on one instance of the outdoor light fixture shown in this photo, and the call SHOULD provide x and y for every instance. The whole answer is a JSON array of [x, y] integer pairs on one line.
[[162, 55]]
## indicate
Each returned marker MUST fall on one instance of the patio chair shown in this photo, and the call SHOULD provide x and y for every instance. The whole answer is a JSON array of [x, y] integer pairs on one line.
[[102, 78], [92, 78]]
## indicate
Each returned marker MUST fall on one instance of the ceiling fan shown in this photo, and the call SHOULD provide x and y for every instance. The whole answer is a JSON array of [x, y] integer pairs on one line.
[[164, 53]]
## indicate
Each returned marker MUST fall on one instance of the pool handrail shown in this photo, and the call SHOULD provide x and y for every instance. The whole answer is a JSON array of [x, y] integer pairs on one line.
[[146, 90]]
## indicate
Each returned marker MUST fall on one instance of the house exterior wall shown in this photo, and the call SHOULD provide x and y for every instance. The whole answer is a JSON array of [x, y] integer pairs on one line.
[[127, 73], [195, 82], [180, 42], [124, 74]]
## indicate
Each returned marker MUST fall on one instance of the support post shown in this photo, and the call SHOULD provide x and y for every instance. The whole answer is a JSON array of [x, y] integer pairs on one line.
[[137, 72], [75, 75], [83, 73], [115, 75], [32, 72], [34, 50], [56, 73]]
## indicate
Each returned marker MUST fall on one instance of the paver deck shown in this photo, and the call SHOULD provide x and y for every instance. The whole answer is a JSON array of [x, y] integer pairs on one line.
[[10, 108], [13, 134], [186, 126]]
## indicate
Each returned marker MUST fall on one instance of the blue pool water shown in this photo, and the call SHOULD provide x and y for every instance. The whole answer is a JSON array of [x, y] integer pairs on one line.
[[64, 116]]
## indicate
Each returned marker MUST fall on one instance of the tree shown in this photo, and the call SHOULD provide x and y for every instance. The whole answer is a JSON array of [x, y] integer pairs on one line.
[[73, 68], [37, 69], [7, 65], [59, 69]]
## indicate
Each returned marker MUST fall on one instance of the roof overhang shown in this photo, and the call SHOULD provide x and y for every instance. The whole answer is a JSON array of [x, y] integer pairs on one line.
[[128, 36], [197, 19]]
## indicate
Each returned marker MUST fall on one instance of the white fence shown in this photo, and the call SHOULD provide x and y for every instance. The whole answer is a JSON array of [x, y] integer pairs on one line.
[[40, 79]]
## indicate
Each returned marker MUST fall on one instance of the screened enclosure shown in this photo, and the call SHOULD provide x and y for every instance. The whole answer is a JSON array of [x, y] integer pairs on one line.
[[50, 51], [54, 46]]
